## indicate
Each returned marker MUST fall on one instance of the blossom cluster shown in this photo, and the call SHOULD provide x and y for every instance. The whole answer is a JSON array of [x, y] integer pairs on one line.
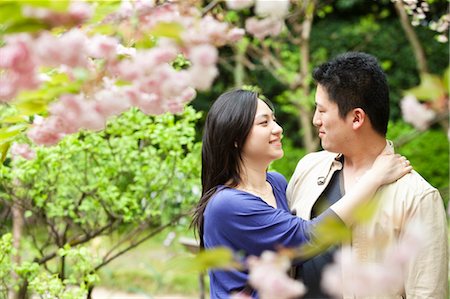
[[269, 19], [269, 276], [119, 76], [416, 113], [418, 9], [374, 279]]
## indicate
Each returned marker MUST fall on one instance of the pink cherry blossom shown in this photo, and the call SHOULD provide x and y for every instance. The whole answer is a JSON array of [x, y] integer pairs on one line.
[[235, 34], [77, 13], [239, 4], [204, 55], [240, 296], [273, 9], [45, 132], [265, 27], [202, 77], [374, 279], [101, 46], [416, 113], [23, 150], [17, 54], [268, 275], [68, 49]]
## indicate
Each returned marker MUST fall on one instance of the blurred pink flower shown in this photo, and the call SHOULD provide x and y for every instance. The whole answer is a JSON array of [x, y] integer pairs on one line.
[[17, 54], [416, 113], [235, 34], [68, 49], [44, 132], [77, 13], [268, 275], [239, 4], [375, 279], [204, 55], [101, 46], [273, 9], [23, 150], [202, 77], [265, 27]]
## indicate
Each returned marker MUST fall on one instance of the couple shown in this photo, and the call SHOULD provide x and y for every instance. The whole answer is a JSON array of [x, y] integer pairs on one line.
[[245, 208]]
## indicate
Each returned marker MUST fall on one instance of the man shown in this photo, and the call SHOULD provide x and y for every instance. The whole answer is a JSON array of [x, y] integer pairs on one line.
[[352, 114]]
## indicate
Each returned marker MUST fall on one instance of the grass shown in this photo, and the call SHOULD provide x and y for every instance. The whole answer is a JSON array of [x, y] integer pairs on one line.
[[153, 268]]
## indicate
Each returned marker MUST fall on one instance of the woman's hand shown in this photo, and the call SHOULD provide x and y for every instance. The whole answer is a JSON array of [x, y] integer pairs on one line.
[[388, 168]]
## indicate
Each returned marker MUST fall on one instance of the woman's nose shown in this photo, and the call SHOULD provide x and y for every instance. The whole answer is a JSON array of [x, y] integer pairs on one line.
[[277, 129]]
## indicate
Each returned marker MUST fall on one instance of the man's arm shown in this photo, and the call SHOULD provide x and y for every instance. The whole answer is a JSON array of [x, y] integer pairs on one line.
[[427, 274]]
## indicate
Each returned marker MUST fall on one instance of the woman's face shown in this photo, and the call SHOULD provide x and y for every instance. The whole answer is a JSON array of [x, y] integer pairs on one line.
[[263, 144]]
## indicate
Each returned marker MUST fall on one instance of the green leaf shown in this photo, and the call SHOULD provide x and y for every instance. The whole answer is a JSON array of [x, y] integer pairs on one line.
[[4, 147], [217, 258], [446, 80], [56, 5], [430, 88], [34, 105], [14, 119], [330, 232], [167, 29], [6, 133]]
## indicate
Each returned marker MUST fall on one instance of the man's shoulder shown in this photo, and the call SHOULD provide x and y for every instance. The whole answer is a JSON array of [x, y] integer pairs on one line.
[[319, 155], [414, 184], [313, 160]]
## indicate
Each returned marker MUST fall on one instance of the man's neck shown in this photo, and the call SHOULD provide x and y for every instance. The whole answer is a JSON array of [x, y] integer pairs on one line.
[[361, 156], [360, 159]]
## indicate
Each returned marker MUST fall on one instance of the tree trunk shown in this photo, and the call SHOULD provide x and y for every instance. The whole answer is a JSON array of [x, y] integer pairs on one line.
[[417, 48], [17, 222], [309, 142], [239, 72]]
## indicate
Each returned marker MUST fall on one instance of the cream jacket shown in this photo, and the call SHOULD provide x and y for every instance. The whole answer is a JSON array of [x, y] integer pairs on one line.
[[408, 199]]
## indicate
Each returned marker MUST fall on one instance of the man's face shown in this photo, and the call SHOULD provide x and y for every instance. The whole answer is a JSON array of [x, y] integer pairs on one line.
[[334, 132]]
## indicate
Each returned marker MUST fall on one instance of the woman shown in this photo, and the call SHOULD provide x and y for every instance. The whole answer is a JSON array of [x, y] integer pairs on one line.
[[244, 207]]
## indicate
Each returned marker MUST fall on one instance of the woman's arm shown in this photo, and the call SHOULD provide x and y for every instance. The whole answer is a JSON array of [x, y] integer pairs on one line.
[[386, 169]]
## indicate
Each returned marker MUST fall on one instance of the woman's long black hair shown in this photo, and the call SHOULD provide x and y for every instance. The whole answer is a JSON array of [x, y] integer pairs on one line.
[[228, 123]]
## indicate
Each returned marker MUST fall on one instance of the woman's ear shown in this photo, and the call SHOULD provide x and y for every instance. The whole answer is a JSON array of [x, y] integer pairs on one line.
[[359, 118]]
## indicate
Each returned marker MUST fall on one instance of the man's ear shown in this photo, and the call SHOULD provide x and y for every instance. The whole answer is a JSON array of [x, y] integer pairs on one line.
[[359, 117]]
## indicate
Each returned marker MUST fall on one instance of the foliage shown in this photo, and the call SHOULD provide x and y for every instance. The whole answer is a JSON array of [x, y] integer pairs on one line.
[[428, 153], [135, 177], [5, 263], [383, 38]]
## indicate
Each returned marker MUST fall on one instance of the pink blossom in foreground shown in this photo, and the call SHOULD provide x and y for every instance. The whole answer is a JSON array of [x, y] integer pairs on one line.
[[240, 296], [268, 275], [202, 77], [239, 4], [77, 13], [17, 55], [272, 9], [235, 34], [101, 46], [17, 67], [45, 132], [375, 279], [265, 27], [416, 113], [68, 49], [203, 55], [23, 150]]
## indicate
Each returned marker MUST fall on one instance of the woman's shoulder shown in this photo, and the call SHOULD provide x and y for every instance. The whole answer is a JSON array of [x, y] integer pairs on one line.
[[277, 179], [227, 199]]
